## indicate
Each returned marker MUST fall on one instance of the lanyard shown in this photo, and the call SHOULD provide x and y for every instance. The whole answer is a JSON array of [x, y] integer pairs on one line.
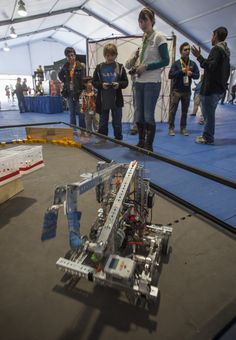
[[147, 37], [72, 70], [183, 65]]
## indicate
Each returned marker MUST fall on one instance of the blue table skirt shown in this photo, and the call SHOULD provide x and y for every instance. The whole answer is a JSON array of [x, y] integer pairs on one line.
[[44, 104]]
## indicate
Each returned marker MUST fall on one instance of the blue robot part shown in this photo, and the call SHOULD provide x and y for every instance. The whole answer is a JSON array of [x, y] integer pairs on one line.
[[74, 229], [49, 224]]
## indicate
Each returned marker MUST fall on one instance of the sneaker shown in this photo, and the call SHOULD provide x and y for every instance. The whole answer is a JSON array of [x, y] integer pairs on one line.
[[171, 132], [184, 132], [202, 140]]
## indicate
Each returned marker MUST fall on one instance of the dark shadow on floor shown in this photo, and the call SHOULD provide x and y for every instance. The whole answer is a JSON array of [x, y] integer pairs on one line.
[[113, 312], [221, 326], [14, 207], [225, 141]]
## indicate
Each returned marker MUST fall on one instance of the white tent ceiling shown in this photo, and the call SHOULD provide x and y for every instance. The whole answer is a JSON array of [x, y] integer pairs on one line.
[[70, 22]]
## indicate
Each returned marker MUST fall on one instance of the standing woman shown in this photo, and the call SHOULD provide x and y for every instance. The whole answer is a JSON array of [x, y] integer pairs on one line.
[[153, 57]]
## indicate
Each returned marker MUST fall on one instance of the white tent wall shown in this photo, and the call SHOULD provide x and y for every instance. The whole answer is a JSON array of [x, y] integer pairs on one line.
[[25, 59], [16, 61], [49, 52]]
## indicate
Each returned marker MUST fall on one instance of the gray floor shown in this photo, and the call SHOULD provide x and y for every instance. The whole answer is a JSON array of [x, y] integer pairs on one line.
[[197, 282]]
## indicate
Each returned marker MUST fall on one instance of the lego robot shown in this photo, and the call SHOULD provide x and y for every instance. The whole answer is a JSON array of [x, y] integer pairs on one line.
[[123, 249]]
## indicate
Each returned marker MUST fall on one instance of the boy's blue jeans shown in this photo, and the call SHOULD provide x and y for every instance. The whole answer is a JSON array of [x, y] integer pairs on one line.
[[74, 109], [116, 122]]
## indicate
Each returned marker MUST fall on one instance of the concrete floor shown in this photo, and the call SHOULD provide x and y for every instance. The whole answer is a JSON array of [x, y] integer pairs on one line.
[[197, 281]]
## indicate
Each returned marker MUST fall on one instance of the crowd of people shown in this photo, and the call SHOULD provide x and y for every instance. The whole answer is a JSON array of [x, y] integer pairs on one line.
[[102, 93], [21, 89], [92, 99], [10, 93]]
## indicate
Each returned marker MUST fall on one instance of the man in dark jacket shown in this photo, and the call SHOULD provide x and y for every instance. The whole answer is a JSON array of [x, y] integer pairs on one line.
[[72, 74], [182, 72], [20, 96], [216, 74]]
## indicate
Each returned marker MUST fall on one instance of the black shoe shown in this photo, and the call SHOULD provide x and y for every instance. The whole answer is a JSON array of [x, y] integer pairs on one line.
[[140, 144], [148, 147]]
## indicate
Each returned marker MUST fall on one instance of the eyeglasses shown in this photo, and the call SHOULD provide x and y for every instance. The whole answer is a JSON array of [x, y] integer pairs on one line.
[[186, 49], [71, 55]]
